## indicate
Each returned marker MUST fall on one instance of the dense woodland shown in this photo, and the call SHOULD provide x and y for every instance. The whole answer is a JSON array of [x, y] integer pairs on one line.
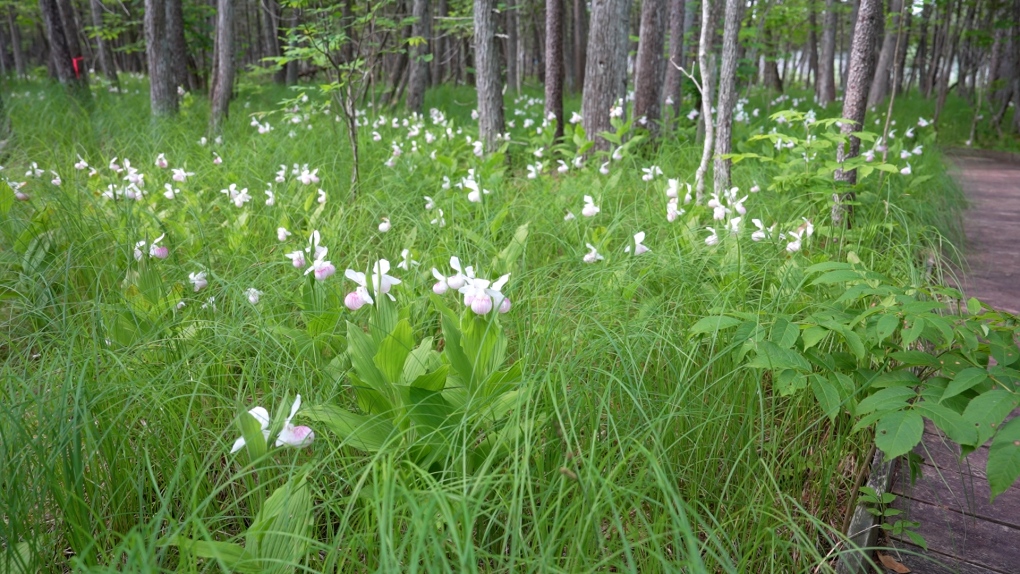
[[391, 51]]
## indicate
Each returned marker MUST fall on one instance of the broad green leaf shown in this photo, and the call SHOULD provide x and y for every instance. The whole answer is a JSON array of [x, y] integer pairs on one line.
[[421, 360], [434, 381], [1003, 466], [370, 401], [813, 335], [898, 432], [362, 350], [789, 381], [853, 340], [895, 378], [893, 398], [1004, 350], [366, 433], [7, 198], [254, 440], [784, 333], [987, 411], [229, 554], [484, 344], [278, 535], [915, 359], [886, 326], [964, 381], [948, 421], [840, 276], [393, 351], [827, 396], [713, 324], [771, 356]]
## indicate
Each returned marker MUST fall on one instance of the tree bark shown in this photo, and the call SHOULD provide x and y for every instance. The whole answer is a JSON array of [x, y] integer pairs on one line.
[[106, 64], [510, 28], [223, 64], [825, 83], [649, 76], [727, 95], [707, 64], [271, 36], [162, 85], [60, 52], [489, 84], [554, 63], [855, 100], [580, 42], [419, 78], [606, 67], [880, 83], [19, 55], [812, 71], [291, 69], [71, 27], [672, 92]]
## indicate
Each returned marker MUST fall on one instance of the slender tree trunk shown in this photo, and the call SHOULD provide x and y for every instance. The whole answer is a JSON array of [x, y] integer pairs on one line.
[[672, 93], [606, 67], [60, 53], [650, 73], [291, 69], [223, 64], [947, 70], [727, 95], [825, 83], [880, 84], [903, 44], [554, 63], [19, 55], [419, 77], [707, 63], [510, 28], [812, 71], [106, 64], [855, 100], [162, 87], [271, 36], [490, 88], [772, 78], [580, 42], [71, 28]]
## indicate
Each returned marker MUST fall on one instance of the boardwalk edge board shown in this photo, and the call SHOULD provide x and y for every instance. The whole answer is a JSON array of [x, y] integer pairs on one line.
[[864, 526]]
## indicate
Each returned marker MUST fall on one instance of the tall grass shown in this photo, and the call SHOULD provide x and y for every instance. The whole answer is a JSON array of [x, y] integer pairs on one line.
[[644, 448]]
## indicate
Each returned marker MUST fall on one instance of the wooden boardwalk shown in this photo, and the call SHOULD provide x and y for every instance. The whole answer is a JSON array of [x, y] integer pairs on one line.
[[965, 533]]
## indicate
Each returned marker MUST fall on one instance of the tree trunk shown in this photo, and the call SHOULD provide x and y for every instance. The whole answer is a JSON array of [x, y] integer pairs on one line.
[[580, 42], [68, 15], [672, 93], [162, 85], [490, 92], [850, 49], [419, 78], [825, 83], [727, 95], [554, 63], [707, 64], [19, 55], [947, 69], [106, 63], [812, 71], [855, 99], [510, 29], [921, 53], [291, 69], [60, 52], [880, 83], [223, 64], [271, 36], [649, 76], [771, 78], [606, 67]]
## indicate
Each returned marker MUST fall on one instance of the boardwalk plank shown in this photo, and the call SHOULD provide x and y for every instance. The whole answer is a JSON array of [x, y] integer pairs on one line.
[[961, 492]]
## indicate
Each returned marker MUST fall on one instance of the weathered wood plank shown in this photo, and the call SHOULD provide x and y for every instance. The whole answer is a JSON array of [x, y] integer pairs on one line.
[[962, 492], [931, 562], [980, 542]]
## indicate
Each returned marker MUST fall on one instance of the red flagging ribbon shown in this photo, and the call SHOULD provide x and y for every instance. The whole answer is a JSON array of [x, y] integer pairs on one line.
[[77, 70]]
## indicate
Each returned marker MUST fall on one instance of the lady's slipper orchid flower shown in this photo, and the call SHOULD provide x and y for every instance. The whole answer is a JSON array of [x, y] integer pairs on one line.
[[922, 123], [904, 154], [180, 175], [604, 168], [441, 285], [762, 233], [115, 167], [253, 295], [673, 210], [673, 188], [593, 255], [406, 262], [534, 170], [569, 216], [170, 192], [297, 258], [794, 246], [733, 225], [56, 179], [564, 168], [429, 203], [917, 150], [639, 247], [290, 435], [712, 239], [198, 280], [482, 295], [385, 225], [617, 154], [282, 234], [589, 209], [81, 164], [906, 170], [138, 250], [161, 161], [281, 176], [322, 196], [650, 172], [262, 416], [158, 251], [439, 219], [217, 160], [270, 196], [321, 269]]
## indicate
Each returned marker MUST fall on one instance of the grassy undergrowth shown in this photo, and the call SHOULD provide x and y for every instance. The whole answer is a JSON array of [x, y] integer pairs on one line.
[[642, 446]]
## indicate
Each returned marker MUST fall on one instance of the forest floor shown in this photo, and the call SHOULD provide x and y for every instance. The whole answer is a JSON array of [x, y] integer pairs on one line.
[[950, 498]]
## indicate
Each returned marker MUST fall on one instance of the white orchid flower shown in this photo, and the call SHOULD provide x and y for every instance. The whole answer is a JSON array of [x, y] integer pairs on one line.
[[290, 435], [593, 255], [712, 239], [158, 251], [384, 226], [170, 192], [198, 280], [253, 295], [762, 233], [439, 219], [482, 295], [262, 416], [81, 164], [589, 209], [161, 161], [639, 247], [180, 175], [282, 234], [906, 170], [405, 260], [297, 258], [429, 203], [733, 225]]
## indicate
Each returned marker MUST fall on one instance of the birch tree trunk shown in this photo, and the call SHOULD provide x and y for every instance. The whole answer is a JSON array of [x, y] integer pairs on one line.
[[554, 63], [707, 63], [672, 92], [223, 64], [606, 67], [855, 100], [727, 95], [162, 85], [649, 75], [419, 77], [487, 76]]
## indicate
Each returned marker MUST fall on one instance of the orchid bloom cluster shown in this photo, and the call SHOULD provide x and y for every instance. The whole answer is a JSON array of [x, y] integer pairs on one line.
[[289, 435], [480, 295], [380, 281]]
